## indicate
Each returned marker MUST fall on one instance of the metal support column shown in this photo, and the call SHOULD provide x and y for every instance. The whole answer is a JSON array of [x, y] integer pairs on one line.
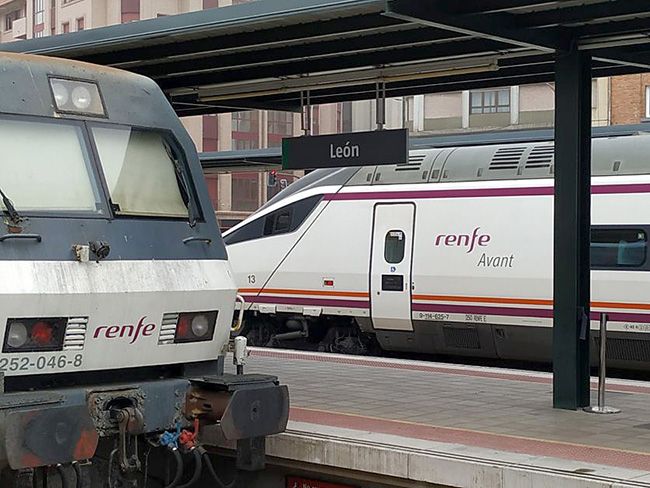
[[572, 230]]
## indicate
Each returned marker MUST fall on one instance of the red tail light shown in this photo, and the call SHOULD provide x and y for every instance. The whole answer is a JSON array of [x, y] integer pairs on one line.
[[195, 327], [41, 334]]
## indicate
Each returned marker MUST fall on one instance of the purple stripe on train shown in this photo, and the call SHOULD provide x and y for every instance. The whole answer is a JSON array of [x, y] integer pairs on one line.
[[642, 318], [309, 302], [480, 192]]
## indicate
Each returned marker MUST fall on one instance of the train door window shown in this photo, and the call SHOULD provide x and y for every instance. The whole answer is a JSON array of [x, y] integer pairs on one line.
[[394, 245], [143, 175], [618, 248]]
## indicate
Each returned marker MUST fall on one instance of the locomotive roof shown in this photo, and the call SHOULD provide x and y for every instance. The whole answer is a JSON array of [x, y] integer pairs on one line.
[[611, 156], [129, 98]]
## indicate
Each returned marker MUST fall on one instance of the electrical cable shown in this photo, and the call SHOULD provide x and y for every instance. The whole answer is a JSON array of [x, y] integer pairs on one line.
[[179, 469], [198, 469], [215, 476], [64, 478], [111, 459]]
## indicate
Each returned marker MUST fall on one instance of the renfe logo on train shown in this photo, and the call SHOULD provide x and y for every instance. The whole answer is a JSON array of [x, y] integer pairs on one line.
[[472, 241], [469, 241], [132, 331]]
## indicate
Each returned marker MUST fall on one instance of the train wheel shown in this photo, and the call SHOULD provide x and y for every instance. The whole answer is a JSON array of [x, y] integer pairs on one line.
[[258, 332]]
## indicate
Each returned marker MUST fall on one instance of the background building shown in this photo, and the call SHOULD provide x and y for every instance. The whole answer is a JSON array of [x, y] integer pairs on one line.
[[619, 100]]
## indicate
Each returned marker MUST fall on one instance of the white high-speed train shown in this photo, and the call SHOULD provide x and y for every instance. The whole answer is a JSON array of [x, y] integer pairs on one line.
[[450, 253]]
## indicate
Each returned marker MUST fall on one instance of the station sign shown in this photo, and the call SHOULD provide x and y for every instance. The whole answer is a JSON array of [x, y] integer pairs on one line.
[[350, 149]]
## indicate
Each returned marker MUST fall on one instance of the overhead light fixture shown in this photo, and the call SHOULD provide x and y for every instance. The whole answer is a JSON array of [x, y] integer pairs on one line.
[[340, 79]]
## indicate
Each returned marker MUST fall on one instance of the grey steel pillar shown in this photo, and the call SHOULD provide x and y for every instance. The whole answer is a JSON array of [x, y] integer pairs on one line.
[[572, 230]]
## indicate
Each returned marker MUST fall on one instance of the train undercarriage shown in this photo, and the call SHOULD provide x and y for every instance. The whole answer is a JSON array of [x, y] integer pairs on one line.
[[324, 334]]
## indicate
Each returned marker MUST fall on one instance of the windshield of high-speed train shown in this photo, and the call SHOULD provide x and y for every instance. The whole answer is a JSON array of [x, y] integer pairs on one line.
[[47, 166]]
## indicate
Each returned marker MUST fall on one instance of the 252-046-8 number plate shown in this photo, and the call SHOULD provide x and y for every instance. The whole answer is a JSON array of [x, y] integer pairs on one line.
[[57, 361]]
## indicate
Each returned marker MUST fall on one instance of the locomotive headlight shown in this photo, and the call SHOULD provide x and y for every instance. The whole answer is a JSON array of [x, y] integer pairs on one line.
[[77, 97], [61, 94], [34, 334], [195, 326], [200, 325], [81, 97], [17, 335]]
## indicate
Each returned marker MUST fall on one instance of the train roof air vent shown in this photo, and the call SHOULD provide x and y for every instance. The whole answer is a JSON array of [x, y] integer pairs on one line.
[[506, 158], [414, 164], [540, 157]]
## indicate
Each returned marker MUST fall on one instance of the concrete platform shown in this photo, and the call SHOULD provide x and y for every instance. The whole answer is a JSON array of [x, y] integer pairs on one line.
[[384, 422]]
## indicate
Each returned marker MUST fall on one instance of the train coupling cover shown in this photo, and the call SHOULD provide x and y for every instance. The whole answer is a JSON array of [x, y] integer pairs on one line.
[[243, 409]]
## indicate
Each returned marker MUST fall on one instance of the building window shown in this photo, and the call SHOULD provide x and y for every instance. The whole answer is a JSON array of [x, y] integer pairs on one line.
[[38, 34], [130, 10], [210, 4], [245, 191], [52, 17], [10, 17], [80, 24], [490, 101], [280, 125], [212, 181], [65, 27], [39, 13], [245, 130], [210, 133]]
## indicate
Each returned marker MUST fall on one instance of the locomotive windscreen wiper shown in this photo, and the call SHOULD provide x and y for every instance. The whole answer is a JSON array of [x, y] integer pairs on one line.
[[182, 185], [9, 207]]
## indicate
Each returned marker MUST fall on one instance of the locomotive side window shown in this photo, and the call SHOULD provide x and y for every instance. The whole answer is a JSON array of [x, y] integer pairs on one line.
[[54, 162], [281, 221], [394, 246], [618, 248], [142, 175]]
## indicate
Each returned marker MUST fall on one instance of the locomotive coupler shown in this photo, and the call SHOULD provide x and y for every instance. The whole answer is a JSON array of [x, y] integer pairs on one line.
[[130, 423]]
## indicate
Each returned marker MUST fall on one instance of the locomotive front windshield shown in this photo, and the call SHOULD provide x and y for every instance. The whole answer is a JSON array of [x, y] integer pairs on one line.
[[47, 167]]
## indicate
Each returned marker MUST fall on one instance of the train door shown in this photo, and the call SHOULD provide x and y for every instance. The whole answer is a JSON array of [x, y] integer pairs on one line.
[[390, 266]]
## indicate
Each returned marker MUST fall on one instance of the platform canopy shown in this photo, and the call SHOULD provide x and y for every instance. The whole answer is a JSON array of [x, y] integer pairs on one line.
[[264, 54]]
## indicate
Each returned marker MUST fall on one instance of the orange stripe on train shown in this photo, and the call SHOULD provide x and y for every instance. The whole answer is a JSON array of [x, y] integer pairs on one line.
[[323, 293]]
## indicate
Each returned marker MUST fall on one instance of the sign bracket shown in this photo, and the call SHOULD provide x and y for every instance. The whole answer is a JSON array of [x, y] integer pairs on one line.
[[305, 112], [380, 95]]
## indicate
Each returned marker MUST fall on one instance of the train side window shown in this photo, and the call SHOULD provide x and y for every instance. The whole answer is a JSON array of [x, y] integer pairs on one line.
[[618, 248], [278, 222], [394, 245], [281, 221]]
